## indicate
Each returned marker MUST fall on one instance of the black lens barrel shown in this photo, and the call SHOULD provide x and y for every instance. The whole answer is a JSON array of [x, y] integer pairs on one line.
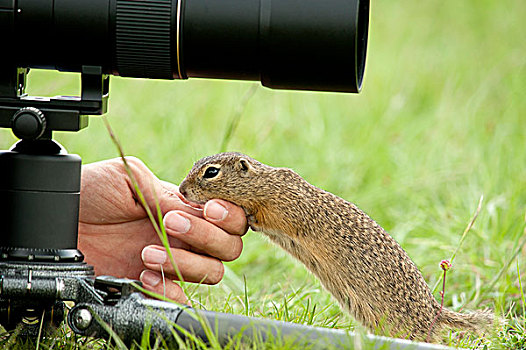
[[312, 44], [286, 44]]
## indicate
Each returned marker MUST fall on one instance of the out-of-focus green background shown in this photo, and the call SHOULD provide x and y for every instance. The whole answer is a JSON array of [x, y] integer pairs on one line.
[[441, 120]]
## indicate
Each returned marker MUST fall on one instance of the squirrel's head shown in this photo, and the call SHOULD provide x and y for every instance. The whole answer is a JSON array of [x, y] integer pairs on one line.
[[229, 176]]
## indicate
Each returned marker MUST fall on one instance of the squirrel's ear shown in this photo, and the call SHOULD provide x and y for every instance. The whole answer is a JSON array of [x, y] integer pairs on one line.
[[244, 164]]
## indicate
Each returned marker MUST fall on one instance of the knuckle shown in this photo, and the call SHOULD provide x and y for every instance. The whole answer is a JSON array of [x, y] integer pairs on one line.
[[135, 164], [132, 160], [206, 241]]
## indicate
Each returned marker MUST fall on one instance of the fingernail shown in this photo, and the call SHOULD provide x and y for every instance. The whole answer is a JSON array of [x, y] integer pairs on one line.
[[150, 278], [176, 222], [215, 211], [153, 256]]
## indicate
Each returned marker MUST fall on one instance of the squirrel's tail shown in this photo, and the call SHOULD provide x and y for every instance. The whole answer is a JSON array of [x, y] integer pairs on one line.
[[478, 322]]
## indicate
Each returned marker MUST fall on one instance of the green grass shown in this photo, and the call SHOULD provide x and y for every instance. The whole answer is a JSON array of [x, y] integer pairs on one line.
[[440, 122]]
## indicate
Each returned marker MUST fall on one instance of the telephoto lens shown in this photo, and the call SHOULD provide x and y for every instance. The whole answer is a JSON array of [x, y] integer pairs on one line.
[[285, 44]]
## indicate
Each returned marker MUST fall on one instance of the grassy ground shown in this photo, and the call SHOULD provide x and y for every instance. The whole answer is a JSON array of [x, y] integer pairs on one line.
[[441, 121]]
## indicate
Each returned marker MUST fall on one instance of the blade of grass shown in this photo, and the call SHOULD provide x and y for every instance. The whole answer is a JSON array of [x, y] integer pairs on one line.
[[504, 268], [153, 294], [158, 226], [40, 330], [142, 200], [247, 307], [286, 308], [166, 244], [145, 339], [210, 335], [312, 314], [462, 238], [522, 292], [236, 117]]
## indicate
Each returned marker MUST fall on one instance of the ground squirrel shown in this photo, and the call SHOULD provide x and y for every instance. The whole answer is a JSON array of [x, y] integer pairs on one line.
[[363, 267]]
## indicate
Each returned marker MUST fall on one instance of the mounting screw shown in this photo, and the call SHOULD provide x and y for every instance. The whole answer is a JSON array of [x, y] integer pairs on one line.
[[28, 123], [82, 319]]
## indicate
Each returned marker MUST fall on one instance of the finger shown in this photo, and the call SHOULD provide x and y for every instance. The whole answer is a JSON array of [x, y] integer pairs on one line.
[[203, 235], [226, 215], [192, 267], [153, 281]]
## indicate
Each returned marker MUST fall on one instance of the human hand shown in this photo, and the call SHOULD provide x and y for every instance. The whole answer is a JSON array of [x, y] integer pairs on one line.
[[118, 239]]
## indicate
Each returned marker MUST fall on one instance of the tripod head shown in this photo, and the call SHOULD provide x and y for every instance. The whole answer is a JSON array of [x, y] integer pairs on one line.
[[39, 192], [34, 117]]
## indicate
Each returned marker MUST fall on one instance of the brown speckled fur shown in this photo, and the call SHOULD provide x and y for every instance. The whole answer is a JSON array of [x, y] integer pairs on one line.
[[365, 269]]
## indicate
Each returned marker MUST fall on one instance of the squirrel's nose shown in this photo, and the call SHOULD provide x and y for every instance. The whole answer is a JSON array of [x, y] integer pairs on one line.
[[182, 189]]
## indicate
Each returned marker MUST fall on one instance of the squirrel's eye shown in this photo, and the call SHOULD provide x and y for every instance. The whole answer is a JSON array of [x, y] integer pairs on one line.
[[211, 172]]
